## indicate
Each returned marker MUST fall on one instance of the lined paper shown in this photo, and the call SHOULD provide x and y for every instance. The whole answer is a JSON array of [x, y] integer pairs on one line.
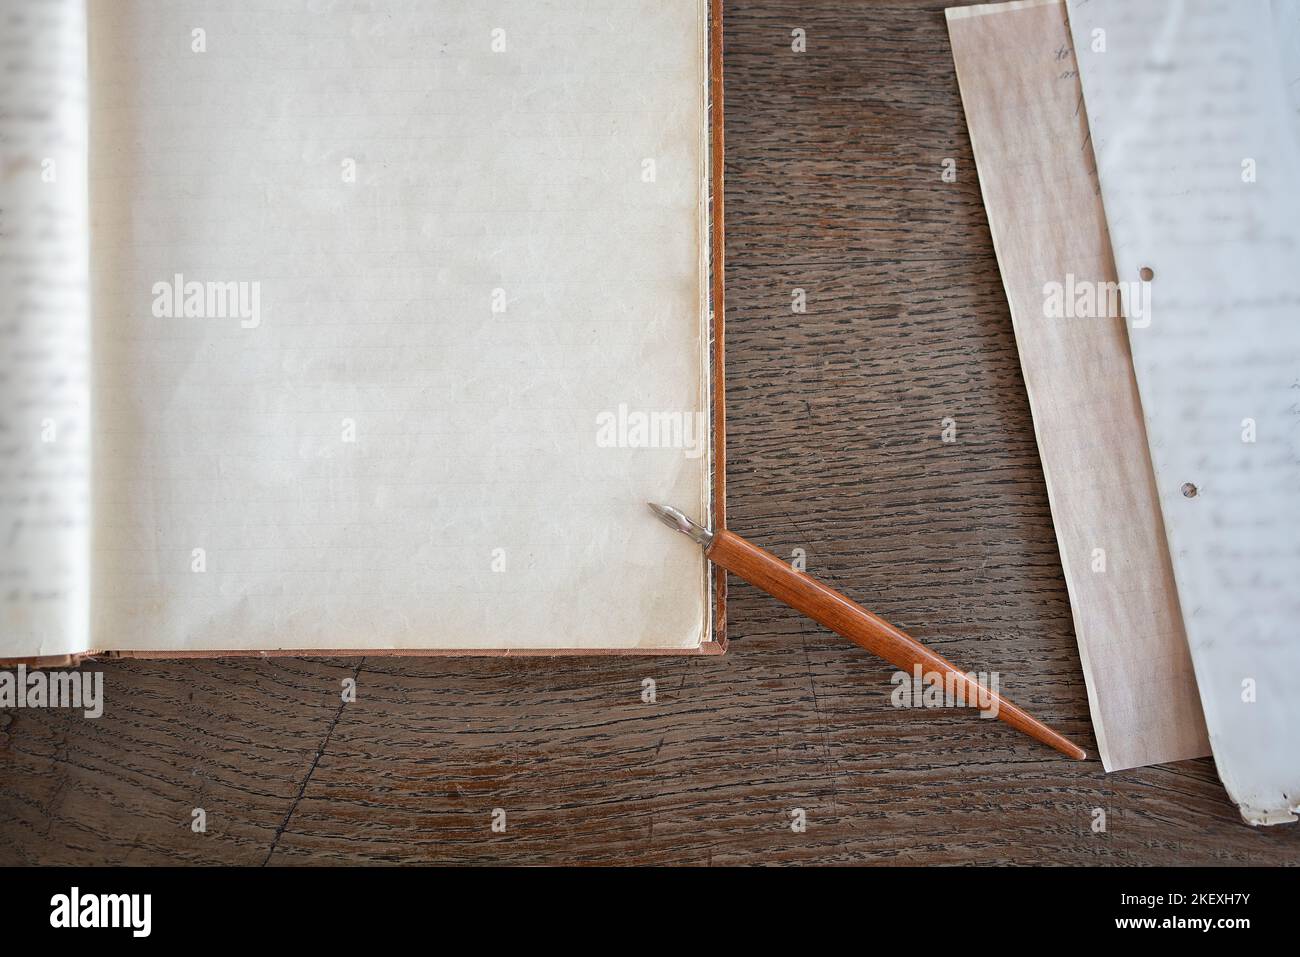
[[403, 449], [44, 331], [1029, 132], [1195, 115]]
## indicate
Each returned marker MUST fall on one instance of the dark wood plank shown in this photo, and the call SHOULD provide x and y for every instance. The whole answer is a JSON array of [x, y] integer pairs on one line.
[[833, 171]]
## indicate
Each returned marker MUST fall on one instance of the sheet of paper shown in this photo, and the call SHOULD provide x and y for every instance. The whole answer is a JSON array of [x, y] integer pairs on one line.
[[44, 330], [451, 333], [1029, 133], [1195, 116]]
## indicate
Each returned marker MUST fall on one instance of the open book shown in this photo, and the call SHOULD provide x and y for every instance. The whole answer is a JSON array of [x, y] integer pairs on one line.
[[358, 327]]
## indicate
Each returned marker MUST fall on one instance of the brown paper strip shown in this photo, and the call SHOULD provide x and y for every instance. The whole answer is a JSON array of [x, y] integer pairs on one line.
[[1029, 132]]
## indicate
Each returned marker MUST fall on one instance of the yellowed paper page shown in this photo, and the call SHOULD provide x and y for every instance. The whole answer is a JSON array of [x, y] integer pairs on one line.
[[1195, 112], [44, 331], [1029, 132], [400, 320]]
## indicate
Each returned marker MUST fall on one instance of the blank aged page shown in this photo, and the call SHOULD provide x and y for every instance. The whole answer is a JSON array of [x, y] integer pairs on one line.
[[44, 331], [400, 319]]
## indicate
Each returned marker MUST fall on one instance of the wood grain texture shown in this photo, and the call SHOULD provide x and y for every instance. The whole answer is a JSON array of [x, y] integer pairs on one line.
[[833, 177]]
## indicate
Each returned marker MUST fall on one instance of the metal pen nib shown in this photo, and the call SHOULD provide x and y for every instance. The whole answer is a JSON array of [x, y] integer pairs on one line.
[[675, 519]]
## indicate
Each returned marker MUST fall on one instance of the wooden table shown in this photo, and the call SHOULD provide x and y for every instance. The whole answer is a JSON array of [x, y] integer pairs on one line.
[[834, 187]]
